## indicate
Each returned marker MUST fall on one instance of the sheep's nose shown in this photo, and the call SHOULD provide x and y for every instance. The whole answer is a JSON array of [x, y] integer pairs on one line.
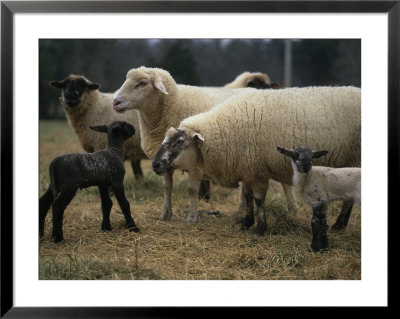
[[116, 102], [158, 168]]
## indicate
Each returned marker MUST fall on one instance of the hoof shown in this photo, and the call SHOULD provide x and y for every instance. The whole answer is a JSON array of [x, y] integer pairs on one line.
[[134, 229], [246, 223], [319, 248], [320, 245], [192, 219], [338, 226], [58, 238], [166, 215], [260, 229], [258, 232], [106, 227]]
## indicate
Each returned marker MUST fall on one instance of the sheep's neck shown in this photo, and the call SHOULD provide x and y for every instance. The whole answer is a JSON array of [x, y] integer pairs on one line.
[[298, 178], [117, 147], [153, 125]]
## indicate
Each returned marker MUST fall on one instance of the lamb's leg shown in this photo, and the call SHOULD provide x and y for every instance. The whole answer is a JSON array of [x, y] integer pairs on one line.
[[125, 207], [194, 181], [137, 170], [290, 198], [204, 191], [246, 203], [106, 204], [44, 205], [59, 205], [168, 183], [260, 192], [318, 225], [344, 215]]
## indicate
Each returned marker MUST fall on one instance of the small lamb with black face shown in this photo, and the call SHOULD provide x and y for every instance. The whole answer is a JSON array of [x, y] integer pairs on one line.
[[104, 169], [318, 185]]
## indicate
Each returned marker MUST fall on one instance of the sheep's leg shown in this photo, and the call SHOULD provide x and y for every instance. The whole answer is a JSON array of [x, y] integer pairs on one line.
[[168, 183], [106, 204], [137, 170], [318, 225], [260, 192], [194, 182], [344, 215], [125, 207], [204, 191], [59, 205], [246, 203], [290, 198], [45, 202]]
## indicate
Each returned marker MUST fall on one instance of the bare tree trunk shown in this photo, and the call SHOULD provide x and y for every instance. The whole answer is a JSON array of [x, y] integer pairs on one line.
[[287, 64]]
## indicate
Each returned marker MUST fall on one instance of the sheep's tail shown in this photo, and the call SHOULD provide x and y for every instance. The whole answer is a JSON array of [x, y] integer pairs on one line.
[[45, 202]]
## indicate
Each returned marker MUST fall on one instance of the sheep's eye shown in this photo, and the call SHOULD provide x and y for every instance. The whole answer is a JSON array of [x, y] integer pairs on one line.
[[141, 83]]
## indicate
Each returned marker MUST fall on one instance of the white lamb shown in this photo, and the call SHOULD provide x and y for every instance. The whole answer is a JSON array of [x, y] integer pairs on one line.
[[162, 103], [318, 185], [86, 106], [236, 140]]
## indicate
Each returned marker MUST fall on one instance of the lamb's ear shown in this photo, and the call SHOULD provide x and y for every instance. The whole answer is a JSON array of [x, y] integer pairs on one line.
[[196, 137], [286, 152], [158, 84], [93, 86], [99, 128], [275, 85], [319, 154], [57, 84]]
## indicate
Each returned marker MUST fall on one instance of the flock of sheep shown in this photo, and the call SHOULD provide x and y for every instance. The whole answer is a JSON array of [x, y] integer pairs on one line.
[[231, 135]]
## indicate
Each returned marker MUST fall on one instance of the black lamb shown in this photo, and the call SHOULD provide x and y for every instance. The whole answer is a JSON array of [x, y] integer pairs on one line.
[[104, 169]]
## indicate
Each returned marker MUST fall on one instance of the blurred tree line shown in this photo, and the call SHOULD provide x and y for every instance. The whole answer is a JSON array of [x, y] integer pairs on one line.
[[212, 62]]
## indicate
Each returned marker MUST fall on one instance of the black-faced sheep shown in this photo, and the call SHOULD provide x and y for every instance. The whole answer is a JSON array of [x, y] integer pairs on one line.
[[255, 80], [162, 103], [86, 106], [318, 185], [236, 140], [104, 169]]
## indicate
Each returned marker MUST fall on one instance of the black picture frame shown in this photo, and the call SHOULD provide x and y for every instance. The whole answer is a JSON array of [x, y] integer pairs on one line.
[[9, 8]]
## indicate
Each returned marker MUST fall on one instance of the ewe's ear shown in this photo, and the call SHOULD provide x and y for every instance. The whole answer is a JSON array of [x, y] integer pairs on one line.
[[196, 137], [158, 84], [57, 84], [319, 154], [286, 152], [93, 86], [275, 85], [99, 128]]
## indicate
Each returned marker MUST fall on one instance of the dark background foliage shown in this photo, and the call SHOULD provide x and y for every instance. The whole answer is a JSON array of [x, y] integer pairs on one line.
[[203, 62]]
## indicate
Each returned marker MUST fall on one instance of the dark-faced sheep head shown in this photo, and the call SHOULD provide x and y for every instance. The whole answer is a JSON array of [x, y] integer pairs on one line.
[[179, 150], [141, 90], [261, 84], [119, 130], [302, 157], [73, 87]]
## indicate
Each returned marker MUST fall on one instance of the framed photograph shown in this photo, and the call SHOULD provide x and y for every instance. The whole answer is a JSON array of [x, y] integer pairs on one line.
[[166, 269]]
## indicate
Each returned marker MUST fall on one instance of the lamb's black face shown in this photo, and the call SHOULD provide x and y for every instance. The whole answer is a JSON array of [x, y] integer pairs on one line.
[[122, 129], [302, 157]]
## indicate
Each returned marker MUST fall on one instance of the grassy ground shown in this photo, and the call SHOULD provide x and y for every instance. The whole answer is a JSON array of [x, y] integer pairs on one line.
[[214, 248]]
